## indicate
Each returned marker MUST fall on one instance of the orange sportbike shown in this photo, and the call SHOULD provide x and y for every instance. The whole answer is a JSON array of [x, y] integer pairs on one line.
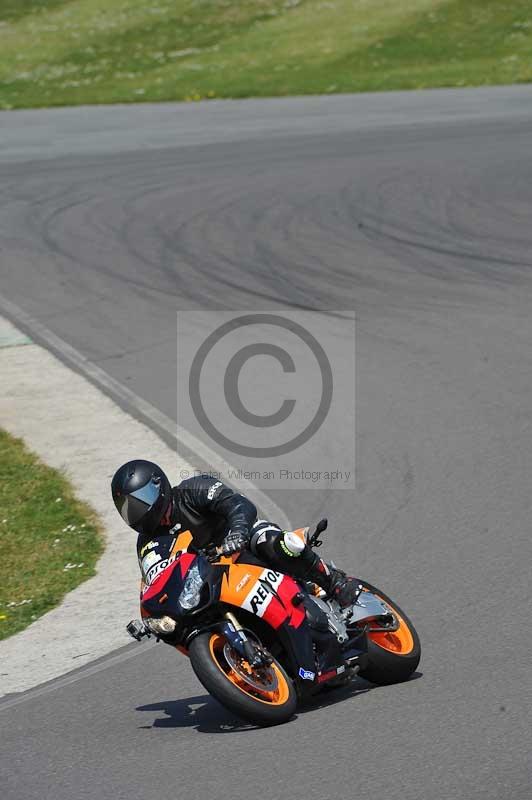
[[260, 641]]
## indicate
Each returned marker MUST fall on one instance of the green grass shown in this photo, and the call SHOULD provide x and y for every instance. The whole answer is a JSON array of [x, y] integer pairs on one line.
[[49, 541], [59, 52]]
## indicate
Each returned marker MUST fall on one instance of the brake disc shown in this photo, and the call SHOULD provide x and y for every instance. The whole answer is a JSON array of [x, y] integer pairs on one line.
[[263, 679]]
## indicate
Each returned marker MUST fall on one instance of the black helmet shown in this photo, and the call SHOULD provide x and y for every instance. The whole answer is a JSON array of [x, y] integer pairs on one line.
[[141, 494]]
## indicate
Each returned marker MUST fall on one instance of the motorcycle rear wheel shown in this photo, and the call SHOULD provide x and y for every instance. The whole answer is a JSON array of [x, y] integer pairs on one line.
[[272, 705], [393, 656]]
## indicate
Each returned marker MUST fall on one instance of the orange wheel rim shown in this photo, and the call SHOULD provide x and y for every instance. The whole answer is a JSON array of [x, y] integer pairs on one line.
[[400, 641], [274, 698]]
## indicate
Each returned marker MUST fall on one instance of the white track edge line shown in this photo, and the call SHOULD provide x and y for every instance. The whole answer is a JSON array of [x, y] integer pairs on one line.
[[69, 678], [148, 412], [144, 407]]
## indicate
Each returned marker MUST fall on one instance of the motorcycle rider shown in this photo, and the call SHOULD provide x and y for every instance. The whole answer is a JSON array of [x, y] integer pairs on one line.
[[220, 521]]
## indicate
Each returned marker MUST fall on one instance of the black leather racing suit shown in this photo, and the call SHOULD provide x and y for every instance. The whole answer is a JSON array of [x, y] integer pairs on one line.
[[210, 510], [204, 506]]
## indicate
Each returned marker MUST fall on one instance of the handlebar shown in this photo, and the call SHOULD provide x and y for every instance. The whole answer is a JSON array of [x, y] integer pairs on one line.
[[214, 553], [210, 553]]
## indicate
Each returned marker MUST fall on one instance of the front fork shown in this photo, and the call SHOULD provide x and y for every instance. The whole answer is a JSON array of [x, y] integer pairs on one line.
[[236, 636]]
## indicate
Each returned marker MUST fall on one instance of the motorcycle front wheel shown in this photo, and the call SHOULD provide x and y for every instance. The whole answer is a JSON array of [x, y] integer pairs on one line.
[[392, 656], [265, 695]]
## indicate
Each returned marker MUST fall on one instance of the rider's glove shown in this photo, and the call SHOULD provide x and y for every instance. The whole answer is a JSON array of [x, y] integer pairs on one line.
[[233, 543]]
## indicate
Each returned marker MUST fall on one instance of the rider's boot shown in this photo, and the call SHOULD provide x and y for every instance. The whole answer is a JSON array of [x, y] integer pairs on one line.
[[337, 584], [289, 551]]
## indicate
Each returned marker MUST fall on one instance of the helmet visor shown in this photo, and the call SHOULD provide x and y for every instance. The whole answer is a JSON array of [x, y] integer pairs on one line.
[[134, 506]]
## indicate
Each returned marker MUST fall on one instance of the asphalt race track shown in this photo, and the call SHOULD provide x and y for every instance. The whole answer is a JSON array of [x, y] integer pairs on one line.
[[420, 220]]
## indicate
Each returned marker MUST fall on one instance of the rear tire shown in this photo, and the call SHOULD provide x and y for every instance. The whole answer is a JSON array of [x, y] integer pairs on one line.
[[217, 676], [392, 658]]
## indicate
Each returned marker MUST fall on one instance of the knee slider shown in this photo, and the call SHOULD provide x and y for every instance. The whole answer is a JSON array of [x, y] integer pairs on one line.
[[291, 544]]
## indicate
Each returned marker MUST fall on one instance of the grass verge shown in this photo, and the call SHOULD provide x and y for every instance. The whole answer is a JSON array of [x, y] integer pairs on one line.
[[49, 541], [57, 52]]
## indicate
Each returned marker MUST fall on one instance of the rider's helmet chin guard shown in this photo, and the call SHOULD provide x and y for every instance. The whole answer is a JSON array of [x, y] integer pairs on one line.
[[142, 494]]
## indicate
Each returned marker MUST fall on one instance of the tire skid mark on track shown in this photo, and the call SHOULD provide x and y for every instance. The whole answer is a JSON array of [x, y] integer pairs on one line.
[[444, 366]]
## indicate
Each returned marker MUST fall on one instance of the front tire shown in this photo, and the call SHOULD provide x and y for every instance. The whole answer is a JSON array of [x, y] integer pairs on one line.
[[392, 657], [266, 697]]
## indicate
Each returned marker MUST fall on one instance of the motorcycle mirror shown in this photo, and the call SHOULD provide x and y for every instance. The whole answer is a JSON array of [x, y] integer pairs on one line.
[[322, 525], [314, 540]]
